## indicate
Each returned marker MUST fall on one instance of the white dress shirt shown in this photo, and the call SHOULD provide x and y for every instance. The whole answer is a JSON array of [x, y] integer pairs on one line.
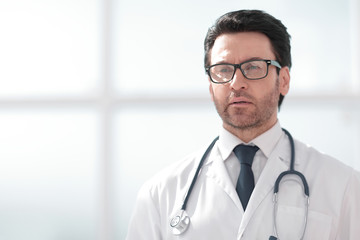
[[265, 142]]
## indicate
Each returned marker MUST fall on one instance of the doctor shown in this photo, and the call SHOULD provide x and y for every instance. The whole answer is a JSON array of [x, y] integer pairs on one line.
[[247, 59]]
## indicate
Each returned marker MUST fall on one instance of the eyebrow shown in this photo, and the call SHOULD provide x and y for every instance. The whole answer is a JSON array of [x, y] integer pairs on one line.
[[249, 59]]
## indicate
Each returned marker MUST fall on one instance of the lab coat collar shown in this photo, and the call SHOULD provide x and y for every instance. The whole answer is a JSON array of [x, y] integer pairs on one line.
[[266, 141], [218, 173]]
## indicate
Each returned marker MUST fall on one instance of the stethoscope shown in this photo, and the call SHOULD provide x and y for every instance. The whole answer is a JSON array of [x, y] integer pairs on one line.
[[181, 221]]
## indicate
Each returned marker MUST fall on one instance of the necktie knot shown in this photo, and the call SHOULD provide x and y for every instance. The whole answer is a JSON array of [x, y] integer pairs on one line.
[[245, 153]]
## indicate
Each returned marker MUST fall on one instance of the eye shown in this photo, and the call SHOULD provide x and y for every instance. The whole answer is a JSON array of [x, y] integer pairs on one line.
[[252, 66], [225, 69]]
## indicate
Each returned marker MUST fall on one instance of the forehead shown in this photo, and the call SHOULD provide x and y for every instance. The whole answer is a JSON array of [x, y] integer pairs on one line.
[[239, 47]]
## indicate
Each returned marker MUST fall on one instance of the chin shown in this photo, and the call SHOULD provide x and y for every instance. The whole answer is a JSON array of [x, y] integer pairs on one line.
[[245, 124]]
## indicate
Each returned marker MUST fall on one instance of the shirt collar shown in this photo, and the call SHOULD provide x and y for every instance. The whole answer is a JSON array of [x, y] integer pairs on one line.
[[266, 141]]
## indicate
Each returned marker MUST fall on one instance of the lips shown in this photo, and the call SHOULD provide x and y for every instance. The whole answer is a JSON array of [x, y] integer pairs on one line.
[[240, 100]]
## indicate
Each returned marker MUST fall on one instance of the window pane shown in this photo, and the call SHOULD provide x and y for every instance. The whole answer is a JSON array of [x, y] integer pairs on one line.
[[49, 47], [149, 138], [159, 46], [322, 56], [48, 174]]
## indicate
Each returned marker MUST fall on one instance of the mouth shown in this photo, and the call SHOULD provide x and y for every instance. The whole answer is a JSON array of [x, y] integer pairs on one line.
[[240, 104], [240, 101]]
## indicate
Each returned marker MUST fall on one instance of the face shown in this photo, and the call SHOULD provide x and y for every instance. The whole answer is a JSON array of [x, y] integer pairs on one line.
[[247, 104]]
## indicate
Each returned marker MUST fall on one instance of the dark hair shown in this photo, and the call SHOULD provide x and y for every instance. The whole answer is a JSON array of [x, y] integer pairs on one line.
[[252, 21]]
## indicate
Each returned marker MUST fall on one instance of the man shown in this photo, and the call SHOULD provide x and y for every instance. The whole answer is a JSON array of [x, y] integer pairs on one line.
[[247, 59]]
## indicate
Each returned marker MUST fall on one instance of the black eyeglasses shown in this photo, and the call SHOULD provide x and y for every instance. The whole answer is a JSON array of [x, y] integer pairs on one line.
[[252, 70]]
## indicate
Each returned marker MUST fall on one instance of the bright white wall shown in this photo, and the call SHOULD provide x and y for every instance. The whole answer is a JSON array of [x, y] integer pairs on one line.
[[82, 105]]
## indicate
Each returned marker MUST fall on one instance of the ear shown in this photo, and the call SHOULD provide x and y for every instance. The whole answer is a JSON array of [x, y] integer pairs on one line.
[[284, 80]]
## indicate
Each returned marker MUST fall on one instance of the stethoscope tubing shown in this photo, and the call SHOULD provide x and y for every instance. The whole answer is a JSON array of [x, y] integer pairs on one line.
[[305, 185], [183, 207], [180, 227]]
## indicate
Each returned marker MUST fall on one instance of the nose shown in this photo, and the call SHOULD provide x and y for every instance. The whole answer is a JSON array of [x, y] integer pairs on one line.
[[239, 81]]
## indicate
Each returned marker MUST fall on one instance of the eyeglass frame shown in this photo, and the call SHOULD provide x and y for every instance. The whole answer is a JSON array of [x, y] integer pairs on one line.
[[238, 66]]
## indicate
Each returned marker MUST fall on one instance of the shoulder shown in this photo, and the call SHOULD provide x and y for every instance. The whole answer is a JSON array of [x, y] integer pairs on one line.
[[334, 186], [313, 157], [173, 177], [324, 171]]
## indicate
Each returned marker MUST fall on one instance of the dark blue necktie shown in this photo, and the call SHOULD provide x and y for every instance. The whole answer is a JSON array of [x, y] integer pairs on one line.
[[245, 184]]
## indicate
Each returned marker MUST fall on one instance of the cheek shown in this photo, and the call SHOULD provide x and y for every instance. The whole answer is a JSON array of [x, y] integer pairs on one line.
[[216, 91], [219, 93], [267, 93]]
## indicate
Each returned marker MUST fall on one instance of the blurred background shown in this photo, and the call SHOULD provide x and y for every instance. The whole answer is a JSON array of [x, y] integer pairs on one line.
[[86, 116]]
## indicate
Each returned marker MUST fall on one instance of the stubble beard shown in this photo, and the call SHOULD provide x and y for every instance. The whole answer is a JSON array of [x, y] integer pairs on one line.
[[259, 114]]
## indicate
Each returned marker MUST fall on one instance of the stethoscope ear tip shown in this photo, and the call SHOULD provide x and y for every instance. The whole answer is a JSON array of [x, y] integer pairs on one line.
[[272, 238]]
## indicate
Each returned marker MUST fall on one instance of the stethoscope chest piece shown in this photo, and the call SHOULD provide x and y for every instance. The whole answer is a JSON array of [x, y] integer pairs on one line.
[[180, 222]]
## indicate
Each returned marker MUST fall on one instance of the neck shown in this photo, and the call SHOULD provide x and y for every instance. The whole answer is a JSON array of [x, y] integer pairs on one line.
[[249, 133]]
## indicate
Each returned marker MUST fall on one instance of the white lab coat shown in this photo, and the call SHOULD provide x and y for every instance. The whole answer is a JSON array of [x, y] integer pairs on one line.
[[216, 212]]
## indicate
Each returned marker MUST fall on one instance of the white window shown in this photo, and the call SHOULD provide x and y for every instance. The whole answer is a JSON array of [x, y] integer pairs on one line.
[[95, 95]]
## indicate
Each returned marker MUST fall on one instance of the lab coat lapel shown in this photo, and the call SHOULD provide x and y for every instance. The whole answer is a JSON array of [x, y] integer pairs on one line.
[[218, 173], [274, 166]]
